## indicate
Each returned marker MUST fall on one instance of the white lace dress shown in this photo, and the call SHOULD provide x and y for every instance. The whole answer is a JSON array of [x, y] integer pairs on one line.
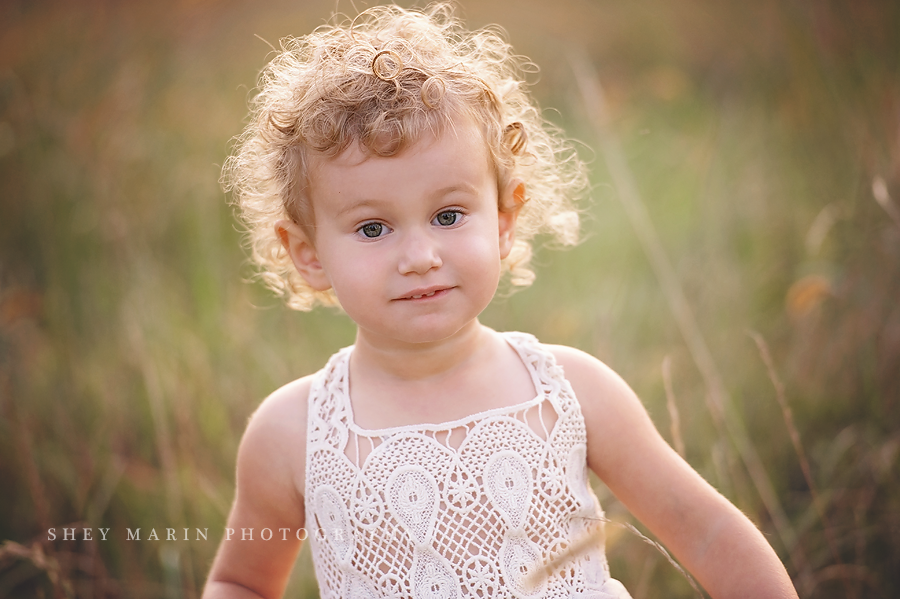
[[470, 508]]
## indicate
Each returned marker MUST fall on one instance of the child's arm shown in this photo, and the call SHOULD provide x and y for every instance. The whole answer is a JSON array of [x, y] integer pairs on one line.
[[715, 541], [270, 477]]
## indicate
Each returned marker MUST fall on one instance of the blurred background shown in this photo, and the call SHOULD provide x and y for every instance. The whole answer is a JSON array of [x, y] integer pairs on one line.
[[763, 332]]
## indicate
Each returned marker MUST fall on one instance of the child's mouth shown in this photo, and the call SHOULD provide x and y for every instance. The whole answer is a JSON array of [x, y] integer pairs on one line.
[[425, 294]]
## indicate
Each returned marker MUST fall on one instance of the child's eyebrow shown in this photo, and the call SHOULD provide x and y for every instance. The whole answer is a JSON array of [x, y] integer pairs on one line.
[[358, 205], [463, 187]]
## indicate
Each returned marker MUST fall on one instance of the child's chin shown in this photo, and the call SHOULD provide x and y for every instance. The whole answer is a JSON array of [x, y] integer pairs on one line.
[[423, 333]]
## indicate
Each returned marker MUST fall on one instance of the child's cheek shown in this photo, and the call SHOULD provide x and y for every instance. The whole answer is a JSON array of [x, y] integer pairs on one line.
[[361, 266], [485, 246]]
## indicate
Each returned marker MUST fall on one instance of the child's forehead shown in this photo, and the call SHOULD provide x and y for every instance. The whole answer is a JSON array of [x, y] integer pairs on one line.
[[452, 157], [459, 136]]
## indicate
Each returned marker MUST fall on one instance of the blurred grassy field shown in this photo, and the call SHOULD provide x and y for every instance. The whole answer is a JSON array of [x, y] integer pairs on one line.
[[132, 349]]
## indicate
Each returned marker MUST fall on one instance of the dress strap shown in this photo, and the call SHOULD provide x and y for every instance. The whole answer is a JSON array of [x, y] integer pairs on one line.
[[328, 412], [548, 376]]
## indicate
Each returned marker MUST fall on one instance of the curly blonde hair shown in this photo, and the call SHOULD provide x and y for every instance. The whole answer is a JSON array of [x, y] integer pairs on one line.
[[382, 80]]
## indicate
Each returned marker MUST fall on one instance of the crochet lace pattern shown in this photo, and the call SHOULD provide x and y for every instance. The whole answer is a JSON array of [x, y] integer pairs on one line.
[[468, 508]]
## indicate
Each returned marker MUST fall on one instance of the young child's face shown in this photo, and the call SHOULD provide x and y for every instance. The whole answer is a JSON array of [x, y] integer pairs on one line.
[[411, 244]]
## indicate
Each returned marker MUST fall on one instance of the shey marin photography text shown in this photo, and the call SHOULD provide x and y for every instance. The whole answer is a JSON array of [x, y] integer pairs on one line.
[[185, 534]]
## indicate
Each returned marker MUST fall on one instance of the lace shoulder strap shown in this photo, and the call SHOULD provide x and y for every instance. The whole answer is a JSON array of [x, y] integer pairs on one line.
[[328, 418], [548, 376]]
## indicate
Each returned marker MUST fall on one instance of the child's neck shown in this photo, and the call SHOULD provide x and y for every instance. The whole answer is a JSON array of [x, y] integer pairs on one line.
[[416, 362], [473, 371]]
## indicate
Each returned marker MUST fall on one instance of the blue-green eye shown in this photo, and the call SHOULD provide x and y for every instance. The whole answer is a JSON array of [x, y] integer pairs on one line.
[[447, 218], [372, 230]]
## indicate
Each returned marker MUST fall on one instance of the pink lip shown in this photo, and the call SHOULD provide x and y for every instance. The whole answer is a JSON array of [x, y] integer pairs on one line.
[[425, 293]]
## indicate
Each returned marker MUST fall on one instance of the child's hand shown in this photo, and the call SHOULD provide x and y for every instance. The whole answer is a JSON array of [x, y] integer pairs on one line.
[[270, 476], [712, 538]]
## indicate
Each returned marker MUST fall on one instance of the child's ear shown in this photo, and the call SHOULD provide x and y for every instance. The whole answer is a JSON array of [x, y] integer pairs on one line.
[[303, 254], [512, 198]]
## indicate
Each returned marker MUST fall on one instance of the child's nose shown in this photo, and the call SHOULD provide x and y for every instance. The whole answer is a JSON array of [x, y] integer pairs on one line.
[[420, 254]]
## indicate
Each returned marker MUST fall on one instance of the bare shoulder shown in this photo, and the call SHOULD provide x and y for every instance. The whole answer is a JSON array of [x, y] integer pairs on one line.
[[273, 450], [615, 419], [589, 375], [605, 398], [283, 413]]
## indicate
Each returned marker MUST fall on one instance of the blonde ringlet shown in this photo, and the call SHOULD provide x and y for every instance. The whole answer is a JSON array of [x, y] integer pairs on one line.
[[383, 80]]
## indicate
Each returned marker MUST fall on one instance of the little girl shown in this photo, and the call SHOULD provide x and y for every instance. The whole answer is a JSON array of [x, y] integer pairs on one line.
[[396, 167]]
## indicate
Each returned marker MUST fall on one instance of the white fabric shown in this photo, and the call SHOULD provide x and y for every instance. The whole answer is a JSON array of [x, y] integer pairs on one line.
[[468, 508]]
